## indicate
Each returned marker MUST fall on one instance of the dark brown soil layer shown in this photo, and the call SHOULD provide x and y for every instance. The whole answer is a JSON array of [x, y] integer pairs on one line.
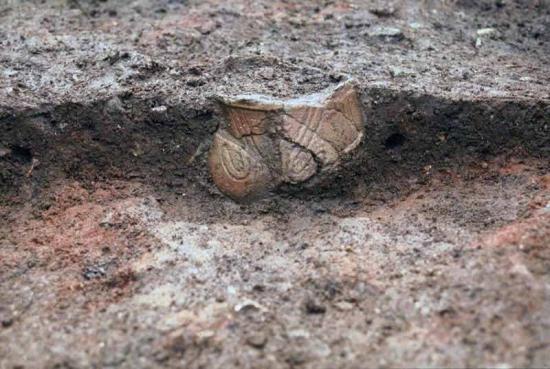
[[124, 89]]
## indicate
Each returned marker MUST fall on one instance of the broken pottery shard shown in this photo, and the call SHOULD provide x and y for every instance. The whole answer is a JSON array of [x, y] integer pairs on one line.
[[268, 141], [246, 122], [326, 124], [345, 100], [248, 114], [237, 168], [301, 127], [298, 164]]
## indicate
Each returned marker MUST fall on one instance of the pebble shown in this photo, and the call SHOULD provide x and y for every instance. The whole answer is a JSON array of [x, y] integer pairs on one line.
[[298, 333], [383, 12], [344, 306], [416, 25], [483, 33], [247, 305], [486, 31], [397, 72], [391, 32], [159, 109], [93, 272], [257, 340]]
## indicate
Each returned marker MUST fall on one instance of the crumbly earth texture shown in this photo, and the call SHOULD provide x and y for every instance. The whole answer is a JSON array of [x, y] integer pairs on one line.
[[430, 247]]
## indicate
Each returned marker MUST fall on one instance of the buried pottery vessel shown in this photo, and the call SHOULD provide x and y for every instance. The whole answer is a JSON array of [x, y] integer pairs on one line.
[[266, 142]]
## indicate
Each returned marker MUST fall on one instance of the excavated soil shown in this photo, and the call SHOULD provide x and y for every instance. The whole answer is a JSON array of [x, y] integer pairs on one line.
[[430, 248]]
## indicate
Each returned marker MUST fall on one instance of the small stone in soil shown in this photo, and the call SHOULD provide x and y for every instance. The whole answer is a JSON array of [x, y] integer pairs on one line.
[[383, 11], [315, 307], [344, 306], [257, 340], [397, 72], [93, 272], [386, 32]]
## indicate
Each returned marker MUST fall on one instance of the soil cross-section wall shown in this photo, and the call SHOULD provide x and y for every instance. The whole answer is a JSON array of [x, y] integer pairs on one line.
[[126, 89]]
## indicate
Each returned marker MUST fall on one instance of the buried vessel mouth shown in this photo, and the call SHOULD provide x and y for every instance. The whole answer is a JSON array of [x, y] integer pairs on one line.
[[267, 141]]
